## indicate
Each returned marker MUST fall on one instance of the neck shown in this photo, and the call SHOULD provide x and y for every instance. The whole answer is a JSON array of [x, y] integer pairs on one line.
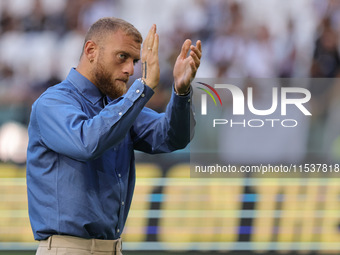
[[85, 69]]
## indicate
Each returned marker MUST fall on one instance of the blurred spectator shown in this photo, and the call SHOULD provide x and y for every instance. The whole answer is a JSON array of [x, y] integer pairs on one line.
[[286, 51], [35, 21], [259, 57], [326, 59], [325, 64], [41, 20], [72, 14], [330, 9], [8, 22], [229, 45], [92, 10]]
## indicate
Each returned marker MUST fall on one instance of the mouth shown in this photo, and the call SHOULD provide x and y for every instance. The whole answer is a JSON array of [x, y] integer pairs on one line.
[[123, 80]]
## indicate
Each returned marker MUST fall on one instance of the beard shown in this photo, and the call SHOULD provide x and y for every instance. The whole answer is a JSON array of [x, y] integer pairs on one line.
[[109, 86]]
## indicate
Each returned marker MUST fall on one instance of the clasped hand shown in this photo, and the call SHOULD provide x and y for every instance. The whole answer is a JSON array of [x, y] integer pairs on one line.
[[185, 67]]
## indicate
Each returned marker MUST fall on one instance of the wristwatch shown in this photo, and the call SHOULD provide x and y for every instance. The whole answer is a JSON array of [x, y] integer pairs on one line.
[[184, 94]]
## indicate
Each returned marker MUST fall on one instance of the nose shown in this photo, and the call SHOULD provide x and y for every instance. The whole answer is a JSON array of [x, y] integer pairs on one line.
[[129, 68]]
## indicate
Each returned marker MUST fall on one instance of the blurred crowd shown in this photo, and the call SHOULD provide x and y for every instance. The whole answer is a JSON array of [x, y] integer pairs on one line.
[[40, 40]]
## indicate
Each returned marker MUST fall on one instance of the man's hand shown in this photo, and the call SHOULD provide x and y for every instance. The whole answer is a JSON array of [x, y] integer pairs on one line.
[[150, 63], [186, 67]]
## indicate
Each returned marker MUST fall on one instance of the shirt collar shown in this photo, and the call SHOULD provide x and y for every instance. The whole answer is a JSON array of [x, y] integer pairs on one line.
[[84, 86]]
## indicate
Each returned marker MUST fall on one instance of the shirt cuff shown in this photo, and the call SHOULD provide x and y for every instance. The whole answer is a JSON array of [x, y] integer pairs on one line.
[[182, 100], [139, 90], [182, 94]]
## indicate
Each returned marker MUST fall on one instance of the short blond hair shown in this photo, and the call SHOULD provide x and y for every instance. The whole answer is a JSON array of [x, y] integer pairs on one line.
[[102, 27]]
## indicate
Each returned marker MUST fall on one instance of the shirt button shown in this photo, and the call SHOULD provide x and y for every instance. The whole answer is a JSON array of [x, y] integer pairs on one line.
[[137, 91], [119, 175], [142, 95], [118, 230], [123, 203], [189, 100], [120, 113]]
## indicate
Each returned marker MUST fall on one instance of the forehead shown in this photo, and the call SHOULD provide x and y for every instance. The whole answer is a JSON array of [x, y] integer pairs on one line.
[[120, 42]]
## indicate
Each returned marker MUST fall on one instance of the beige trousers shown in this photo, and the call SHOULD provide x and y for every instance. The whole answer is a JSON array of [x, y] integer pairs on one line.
[[69, 245]]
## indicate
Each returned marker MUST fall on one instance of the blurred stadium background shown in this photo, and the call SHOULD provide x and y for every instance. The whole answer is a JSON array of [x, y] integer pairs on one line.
[[40, 40]]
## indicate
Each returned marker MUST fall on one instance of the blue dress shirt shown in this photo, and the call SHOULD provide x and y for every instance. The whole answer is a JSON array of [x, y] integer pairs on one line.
[[80, 157]]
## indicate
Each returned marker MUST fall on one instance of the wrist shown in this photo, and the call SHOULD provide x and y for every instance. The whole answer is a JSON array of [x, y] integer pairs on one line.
[[150, 84], [182, 92]]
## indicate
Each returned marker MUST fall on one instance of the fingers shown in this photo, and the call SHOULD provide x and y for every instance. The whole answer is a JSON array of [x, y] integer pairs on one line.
[[150, 62], [186, 66], [194, 67], [197, 49], [199, 45], [155, 45], [196, 54], [196, 57], [149, 40], [185, 49]]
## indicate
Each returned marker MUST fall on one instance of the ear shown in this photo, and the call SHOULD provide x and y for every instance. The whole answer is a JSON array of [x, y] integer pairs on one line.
[[90, 50]]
